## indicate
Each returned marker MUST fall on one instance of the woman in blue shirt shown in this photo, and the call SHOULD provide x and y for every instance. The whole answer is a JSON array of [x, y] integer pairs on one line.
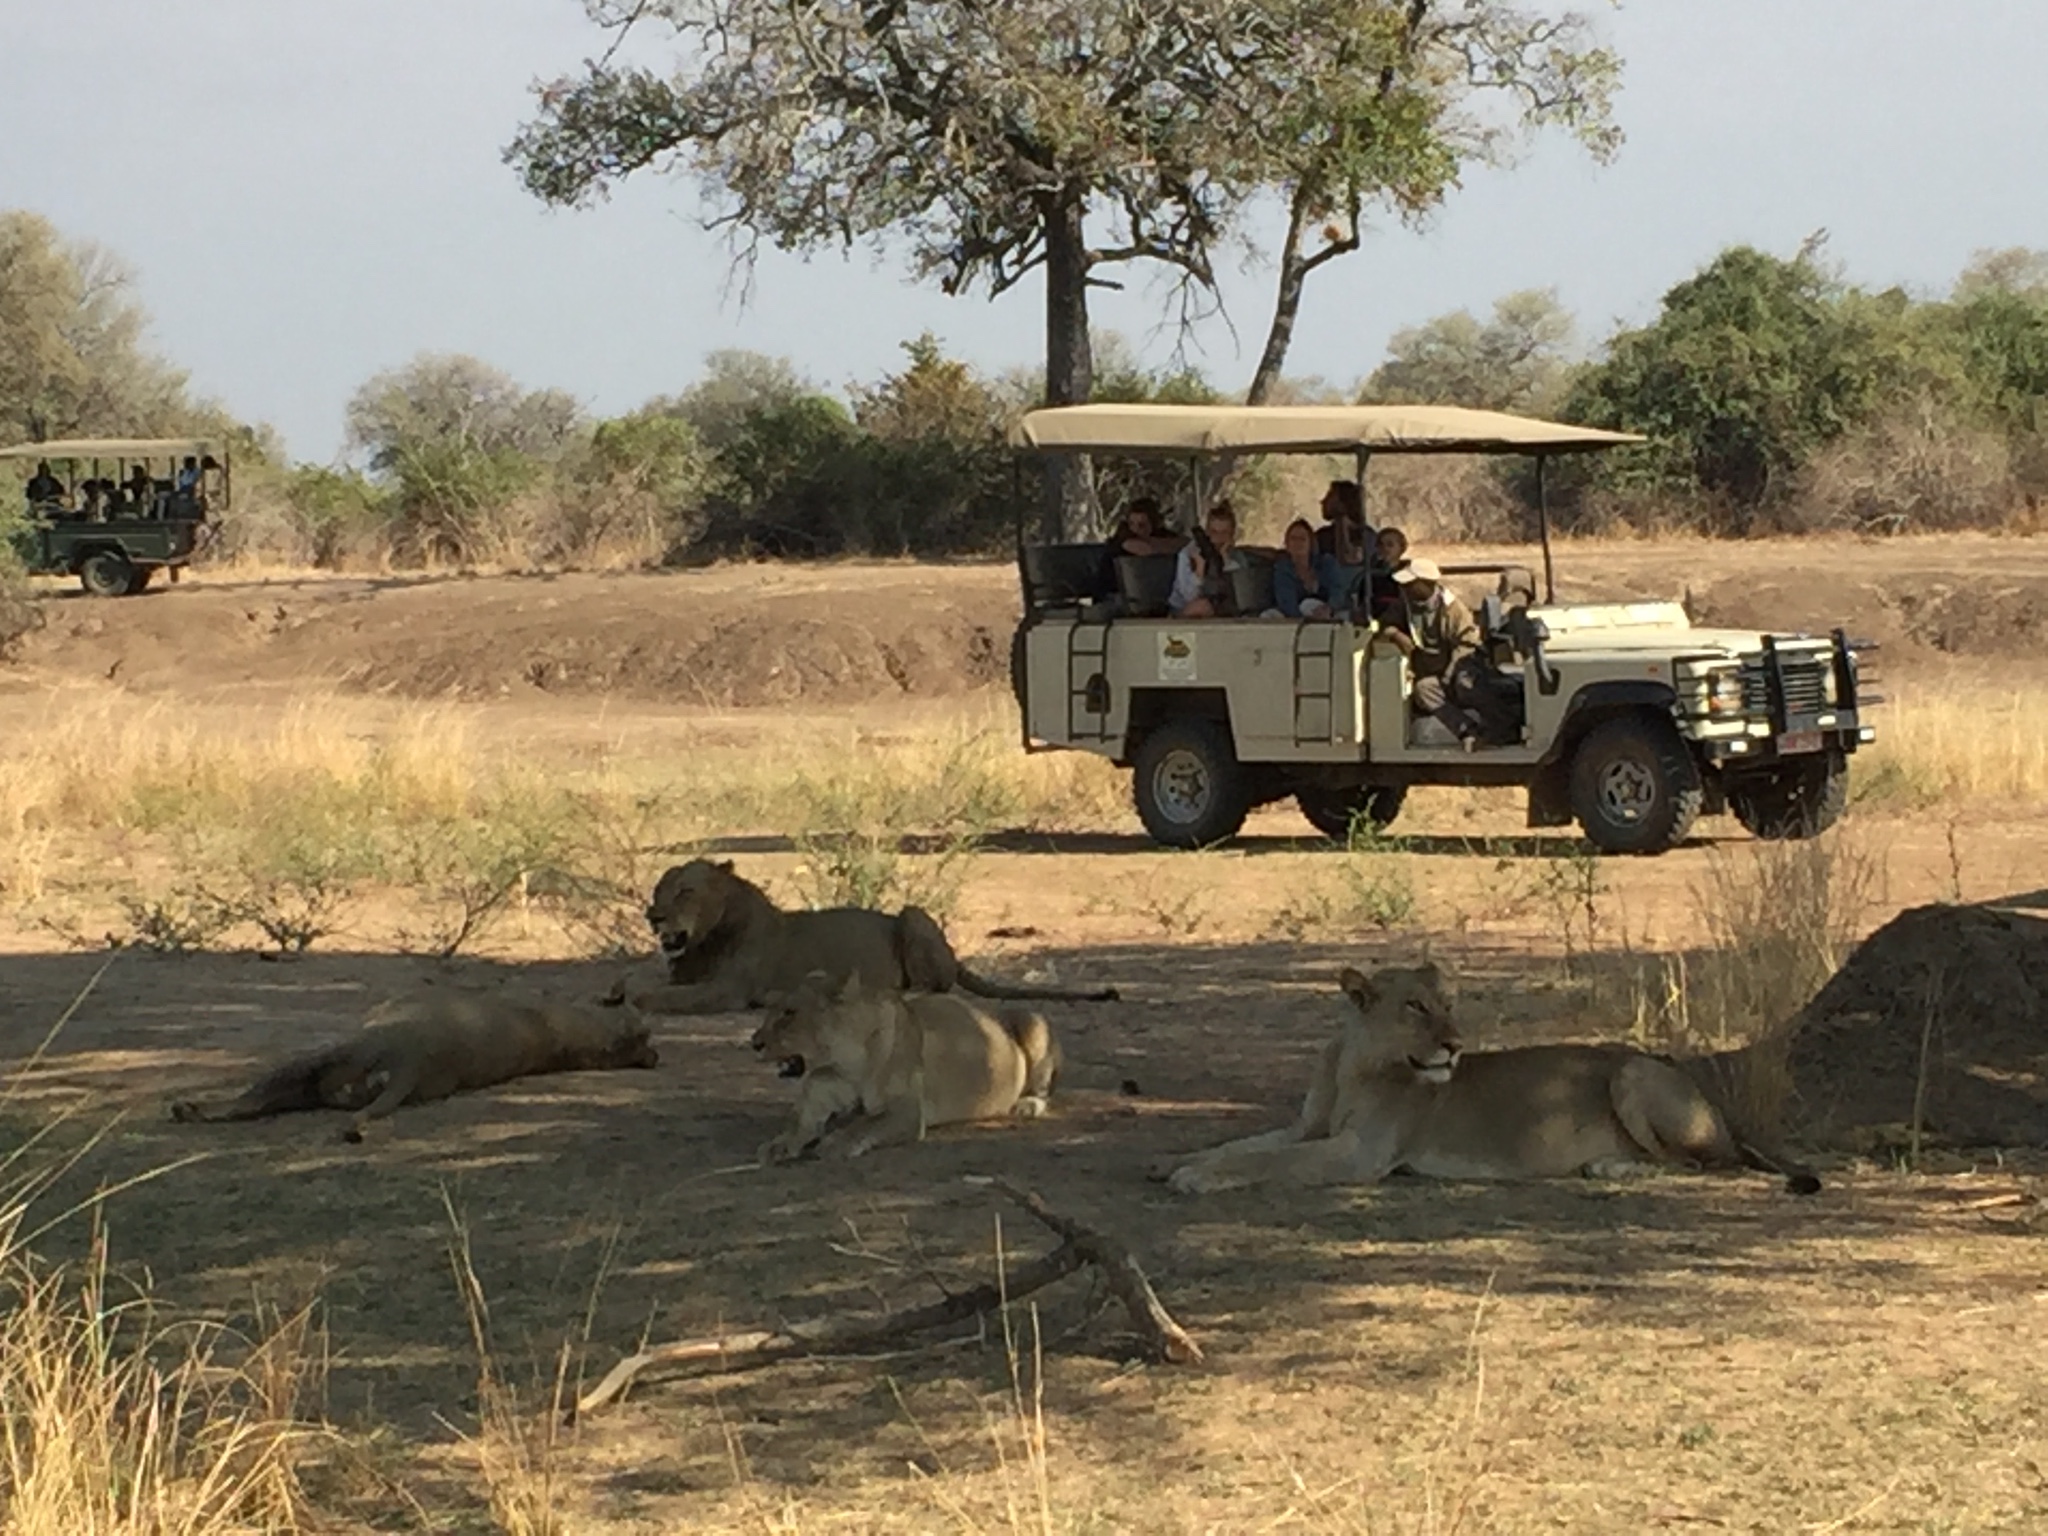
[[1306, 582]]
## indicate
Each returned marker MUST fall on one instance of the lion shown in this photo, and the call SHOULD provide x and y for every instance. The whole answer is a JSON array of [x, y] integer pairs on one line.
[[420, 1049], [730, 948], [883, 1067], [1395, 1090]]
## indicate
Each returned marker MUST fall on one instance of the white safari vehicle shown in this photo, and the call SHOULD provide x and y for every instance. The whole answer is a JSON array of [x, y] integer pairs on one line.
[[1630, 720]]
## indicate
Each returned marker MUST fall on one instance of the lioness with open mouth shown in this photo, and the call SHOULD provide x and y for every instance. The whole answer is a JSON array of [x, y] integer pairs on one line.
[[881, 1067], [1397, 1090]]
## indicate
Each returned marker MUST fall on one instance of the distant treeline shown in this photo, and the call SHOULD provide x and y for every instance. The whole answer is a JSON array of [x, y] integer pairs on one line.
[[1777, 397]]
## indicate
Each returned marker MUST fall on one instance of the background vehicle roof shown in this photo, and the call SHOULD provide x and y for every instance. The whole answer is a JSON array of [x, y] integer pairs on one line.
[[1185, 429], [115, 448]]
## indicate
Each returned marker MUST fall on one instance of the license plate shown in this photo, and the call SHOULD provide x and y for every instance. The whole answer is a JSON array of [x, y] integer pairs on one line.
[[1799, 741]]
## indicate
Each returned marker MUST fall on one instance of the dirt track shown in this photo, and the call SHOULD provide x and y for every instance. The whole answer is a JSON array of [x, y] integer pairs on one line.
[[769, 636]]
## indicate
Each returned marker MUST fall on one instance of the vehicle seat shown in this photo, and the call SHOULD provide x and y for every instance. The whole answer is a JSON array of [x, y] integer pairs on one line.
[[1251, 584], [1146, 581], [1067, 573]]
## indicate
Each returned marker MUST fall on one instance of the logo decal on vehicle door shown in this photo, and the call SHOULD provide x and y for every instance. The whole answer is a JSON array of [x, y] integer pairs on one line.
[[1176, 657]]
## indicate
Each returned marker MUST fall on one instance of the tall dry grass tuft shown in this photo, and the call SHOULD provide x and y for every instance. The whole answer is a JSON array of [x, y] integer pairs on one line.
[[1941, 745], [1775, 920], [516, 1446], [115, 1421]]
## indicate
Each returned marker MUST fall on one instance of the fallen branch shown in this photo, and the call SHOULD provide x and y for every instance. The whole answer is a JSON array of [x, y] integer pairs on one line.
[[1079, 1247]]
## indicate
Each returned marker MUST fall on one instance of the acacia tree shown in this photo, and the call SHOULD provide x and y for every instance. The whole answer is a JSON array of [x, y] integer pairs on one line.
[[1382, 104], [1062, 136]]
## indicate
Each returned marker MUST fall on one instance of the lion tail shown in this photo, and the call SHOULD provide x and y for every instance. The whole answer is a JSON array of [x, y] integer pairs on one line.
[[1799, 1179], [1003, 992]]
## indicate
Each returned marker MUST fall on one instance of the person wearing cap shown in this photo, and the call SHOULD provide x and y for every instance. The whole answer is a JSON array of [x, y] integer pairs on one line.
[[1440, 638]]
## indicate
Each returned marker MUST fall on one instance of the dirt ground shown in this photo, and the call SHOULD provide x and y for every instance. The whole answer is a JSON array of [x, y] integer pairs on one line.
[[1670, 1353]]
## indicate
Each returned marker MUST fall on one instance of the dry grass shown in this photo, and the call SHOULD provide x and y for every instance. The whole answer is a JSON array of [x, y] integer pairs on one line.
[[1963, 742], [115, 1421]]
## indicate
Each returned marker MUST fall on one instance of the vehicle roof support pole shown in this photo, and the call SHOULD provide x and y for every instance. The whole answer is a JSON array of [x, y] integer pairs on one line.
[[1201, 491], [1543, 527], [1017, 519], [1361, 462]]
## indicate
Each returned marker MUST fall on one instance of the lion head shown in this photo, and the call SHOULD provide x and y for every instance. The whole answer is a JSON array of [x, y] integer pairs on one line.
[[1404, 1020], [633, 1048], [798, 1026], [691, 902]]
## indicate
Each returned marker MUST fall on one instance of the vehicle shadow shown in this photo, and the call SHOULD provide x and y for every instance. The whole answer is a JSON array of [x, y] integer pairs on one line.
[[1031, 840]]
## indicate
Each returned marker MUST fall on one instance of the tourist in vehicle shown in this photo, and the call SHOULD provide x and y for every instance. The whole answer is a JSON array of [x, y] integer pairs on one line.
[[1305, 580], [1390, 548], [1141, 531], [140, 488], [1344, 536], [1202, 570], [44, 488], [188, 475], [91, 500], [1440, 638]]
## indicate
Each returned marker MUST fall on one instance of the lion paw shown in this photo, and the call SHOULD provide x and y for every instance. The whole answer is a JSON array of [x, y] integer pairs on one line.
[[1031, 1107], [1192, 1179]]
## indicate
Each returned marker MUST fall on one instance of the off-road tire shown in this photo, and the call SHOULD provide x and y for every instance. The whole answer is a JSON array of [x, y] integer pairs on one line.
[[1801, 799], [1330, 811], [140, 580], [1190, 788], [106, 573], [1635, 788]]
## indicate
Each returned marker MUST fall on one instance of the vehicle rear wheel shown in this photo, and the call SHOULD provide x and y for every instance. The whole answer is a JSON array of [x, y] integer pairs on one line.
[[106, 574], [1635, 787], [140, 580], [1802, 798], [1332, 811], [1190, 788]]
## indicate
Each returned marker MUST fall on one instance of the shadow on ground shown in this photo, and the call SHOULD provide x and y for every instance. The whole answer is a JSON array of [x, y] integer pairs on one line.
[[631, 1198]]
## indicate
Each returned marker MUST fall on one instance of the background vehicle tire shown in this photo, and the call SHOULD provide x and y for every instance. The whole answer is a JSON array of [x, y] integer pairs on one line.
[[1330, 811], [1635, 787], [1190, 788], [106, 574], [142, 576], [1801, 799]]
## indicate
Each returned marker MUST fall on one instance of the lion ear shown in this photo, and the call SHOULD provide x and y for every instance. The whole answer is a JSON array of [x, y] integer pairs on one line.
[[850, 988], [1357, 987], [725, 865]]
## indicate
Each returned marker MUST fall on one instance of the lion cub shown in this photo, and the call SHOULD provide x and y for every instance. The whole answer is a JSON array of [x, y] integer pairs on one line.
[[1395, 1090], [883, 1066], [418, 1049]]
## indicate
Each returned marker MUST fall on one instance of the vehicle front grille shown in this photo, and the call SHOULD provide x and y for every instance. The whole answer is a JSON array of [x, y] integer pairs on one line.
[[1805, 684]]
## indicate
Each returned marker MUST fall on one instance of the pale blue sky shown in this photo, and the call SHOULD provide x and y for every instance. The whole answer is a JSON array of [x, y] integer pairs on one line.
[[314, 192]]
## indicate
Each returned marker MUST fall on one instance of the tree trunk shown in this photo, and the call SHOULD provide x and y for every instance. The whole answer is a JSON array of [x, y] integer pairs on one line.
[[1070, 510], [1286, 305]]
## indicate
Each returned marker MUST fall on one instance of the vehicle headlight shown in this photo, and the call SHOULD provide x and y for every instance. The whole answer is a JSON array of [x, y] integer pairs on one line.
[[1724, 692]]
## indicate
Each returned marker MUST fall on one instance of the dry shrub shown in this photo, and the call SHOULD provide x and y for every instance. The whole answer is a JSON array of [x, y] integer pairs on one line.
[[20, 613], [1914, 469], [1776, 920], [1445, 499], [1946, 745]]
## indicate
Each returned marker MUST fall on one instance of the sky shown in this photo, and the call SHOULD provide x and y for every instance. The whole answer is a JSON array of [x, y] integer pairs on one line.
[[316, 193]]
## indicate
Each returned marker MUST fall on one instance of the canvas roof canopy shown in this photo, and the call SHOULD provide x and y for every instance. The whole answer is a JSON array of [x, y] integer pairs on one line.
[[115, 448], [1214, 429]]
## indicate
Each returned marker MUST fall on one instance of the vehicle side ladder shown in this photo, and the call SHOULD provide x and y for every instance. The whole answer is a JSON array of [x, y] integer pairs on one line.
[[1315, 682], [1088, 658]]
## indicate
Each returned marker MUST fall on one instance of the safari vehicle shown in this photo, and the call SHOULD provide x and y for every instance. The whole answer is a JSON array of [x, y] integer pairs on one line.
[[115, 511], [1631, 720]]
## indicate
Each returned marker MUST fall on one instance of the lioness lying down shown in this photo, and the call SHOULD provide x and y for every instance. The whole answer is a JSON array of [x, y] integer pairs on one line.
[[1394, 1091], [417, 1050], [729, 947], [882, 1067]]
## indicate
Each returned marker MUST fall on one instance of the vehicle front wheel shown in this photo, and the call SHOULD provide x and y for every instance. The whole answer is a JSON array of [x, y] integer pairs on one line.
[[1802, 798], [1635, 787], [1332, 812], [1190, 788], [106, 574]]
